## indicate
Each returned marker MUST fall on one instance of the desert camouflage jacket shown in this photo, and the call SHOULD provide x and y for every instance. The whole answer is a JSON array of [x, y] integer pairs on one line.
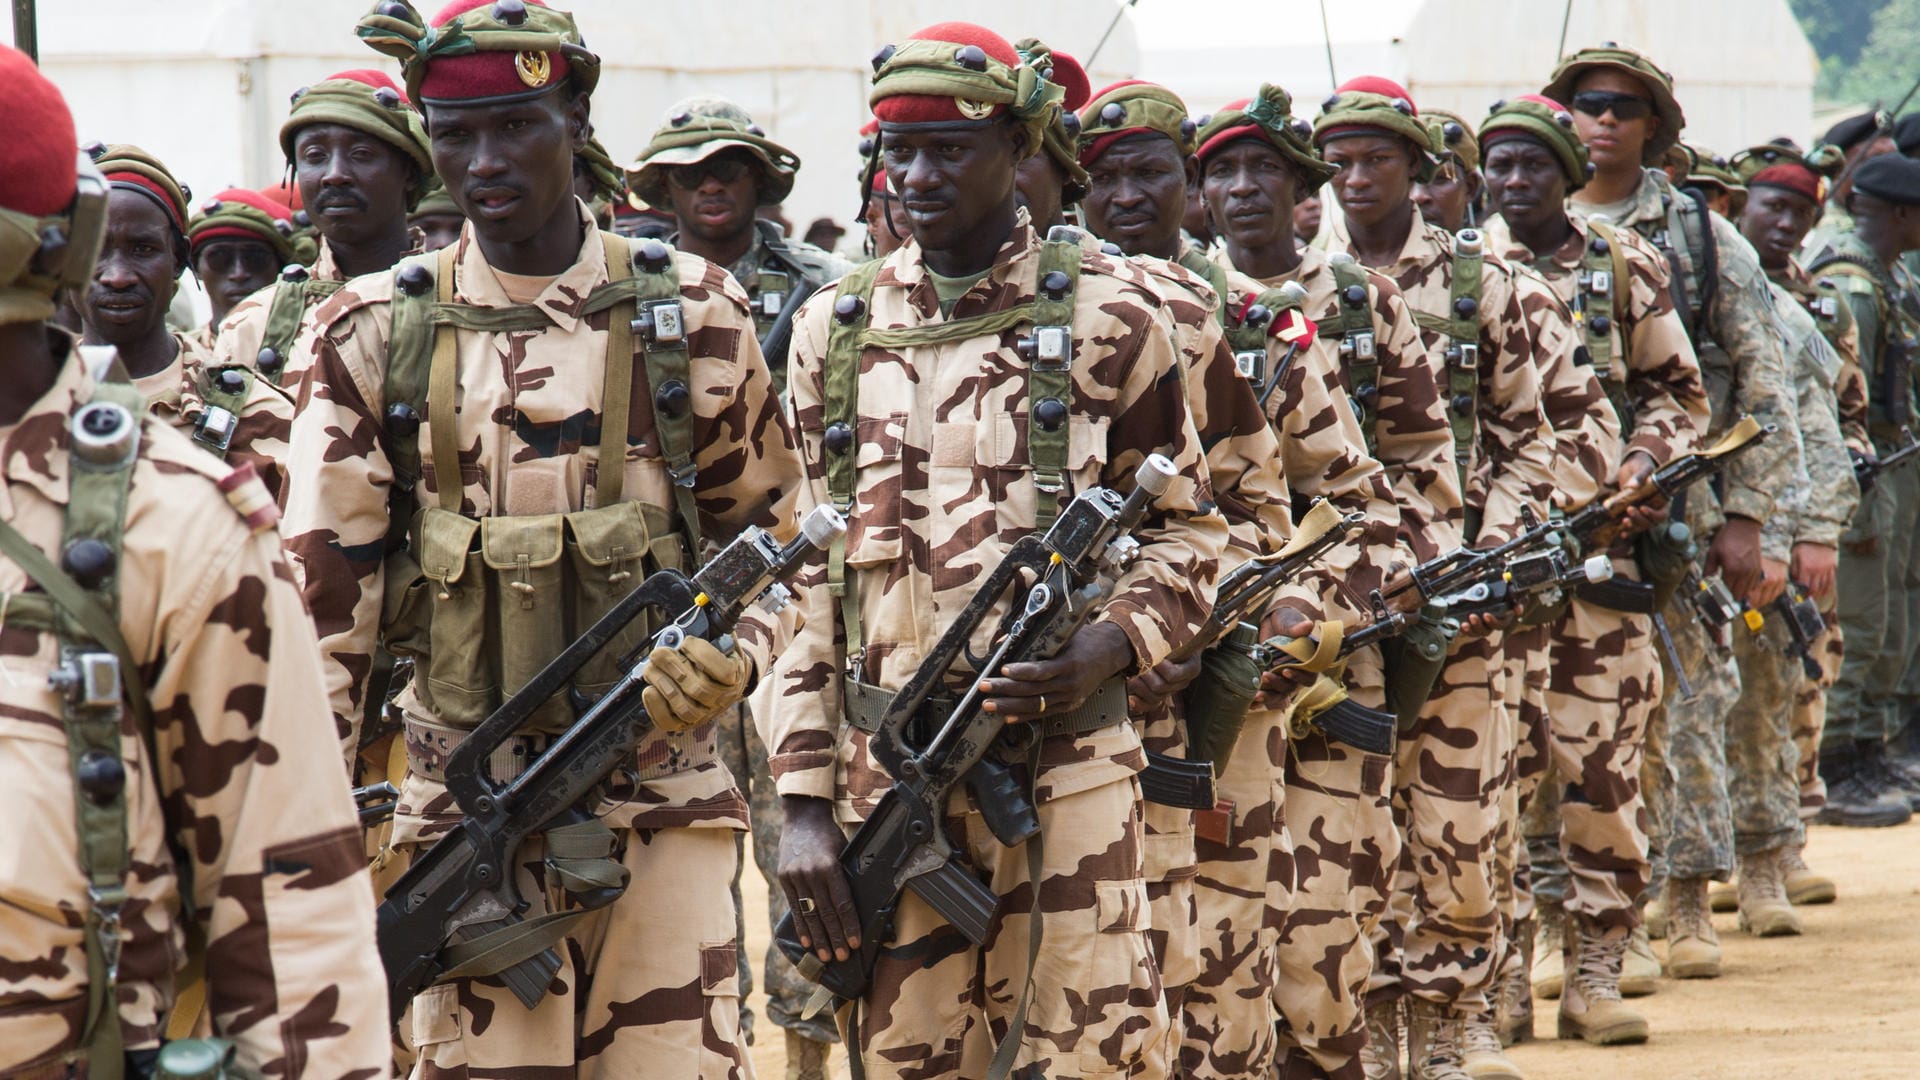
[[247, 784], [1744, 367], [1843, 333], [1411, 438], [1652, 363], [528, 408], [263, 425], [944, 486], [241, 333], [1586, 427], [1514, 447]]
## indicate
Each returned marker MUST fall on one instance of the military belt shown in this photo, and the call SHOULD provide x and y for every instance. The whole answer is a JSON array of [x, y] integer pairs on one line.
[[866, 709]]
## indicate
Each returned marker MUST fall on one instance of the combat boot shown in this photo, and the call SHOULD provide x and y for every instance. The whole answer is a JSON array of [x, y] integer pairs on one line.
[[1513, 990], [1722, 897], [1853, 799], [1549, 950], [1882, 775], [1653, 916], [1693, 948], [1436, 1048], [1803, 885], [806, 1058], [1482, 1056], [1640, 969], [1380, 1058], [1591, 1008], [1903, 750], [1764, 908]]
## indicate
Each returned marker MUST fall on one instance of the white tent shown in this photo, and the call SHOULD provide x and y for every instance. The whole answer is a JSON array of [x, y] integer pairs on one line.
[[1743, 69]]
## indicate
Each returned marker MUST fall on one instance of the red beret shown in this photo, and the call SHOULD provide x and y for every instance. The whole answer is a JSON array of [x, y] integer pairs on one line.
[[39, 162], [1790, 175], [370, 77], [239, 228], [1376, 84], [1072, 78], [285, 194], [484, 76], [1227, 135], [938, 108]]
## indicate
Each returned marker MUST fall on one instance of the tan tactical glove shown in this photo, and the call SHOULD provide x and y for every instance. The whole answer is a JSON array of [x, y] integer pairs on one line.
[[690, 685]]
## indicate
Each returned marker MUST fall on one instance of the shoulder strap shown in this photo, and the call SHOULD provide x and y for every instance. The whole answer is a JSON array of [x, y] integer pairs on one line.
[[1358, 349], [224, 392], [293, 293], [656, 317], [840, 413], [1461, 324], [1599, 298], [410, 343], [1050, 378]]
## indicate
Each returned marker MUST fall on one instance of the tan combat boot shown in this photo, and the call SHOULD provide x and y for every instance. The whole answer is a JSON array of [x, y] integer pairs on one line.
[[1513, 989], [1764, 909], [806, 1058], [1483, 1057], [1803, 885], [1693, 948], [1436, 1046], [1549, 951], [1723, 896], [1653, 916], [1380, 1058], [1591, 1008], [1640, 970]]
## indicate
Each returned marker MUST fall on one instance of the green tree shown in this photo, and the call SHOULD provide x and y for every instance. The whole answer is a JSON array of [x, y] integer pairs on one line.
[[1838, 29], [1890, 62]]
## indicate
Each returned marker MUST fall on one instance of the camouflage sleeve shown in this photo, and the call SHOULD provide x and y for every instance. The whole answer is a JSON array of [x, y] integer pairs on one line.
[[1670, 407], [1411, 437], [241, 332], [261, 435], [1831, 492], [336, 516], [1516, 446], [1850, 387], [279, 872], [1586, 429], [1742, 321]]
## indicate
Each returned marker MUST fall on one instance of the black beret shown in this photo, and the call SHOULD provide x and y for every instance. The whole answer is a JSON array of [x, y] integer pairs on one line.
[[1850, 132], [1892, 177], [1906, 134]]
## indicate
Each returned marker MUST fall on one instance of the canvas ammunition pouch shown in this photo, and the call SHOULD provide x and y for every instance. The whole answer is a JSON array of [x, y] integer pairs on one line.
[[1218, 701], [1413, 661], [1664, 553]]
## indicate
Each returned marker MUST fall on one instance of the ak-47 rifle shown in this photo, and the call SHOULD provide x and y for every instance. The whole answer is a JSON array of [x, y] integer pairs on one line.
[[1215, 705], [462, 889], [1868, 470], [1056, 581], [1598, 524]]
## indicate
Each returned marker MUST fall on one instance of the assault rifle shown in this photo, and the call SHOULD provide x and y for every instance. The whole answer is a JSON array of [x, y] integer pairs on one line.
[[1215, 705], [1797, 611], [462, 889], [1056, 581], [376, 802], [1868, 470], [1347, 721]]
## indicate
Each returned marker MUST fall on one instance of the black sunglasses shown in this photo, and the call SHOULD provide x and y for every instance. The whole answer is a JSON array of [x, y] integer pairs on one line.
[[1623, 106], [722, 167]]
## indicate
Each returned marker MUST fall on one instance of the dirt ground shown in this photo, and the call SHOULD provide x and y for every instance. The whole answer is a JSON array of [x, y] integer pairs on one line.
[[1841, 1002]]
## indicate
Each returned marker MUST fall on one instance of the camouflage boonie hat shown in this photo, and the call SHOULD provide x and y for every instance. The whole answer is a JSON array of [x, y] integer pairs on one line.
[[1824, 161], [700, 127], [1711, 169], [1267, 115], [1627, 61]]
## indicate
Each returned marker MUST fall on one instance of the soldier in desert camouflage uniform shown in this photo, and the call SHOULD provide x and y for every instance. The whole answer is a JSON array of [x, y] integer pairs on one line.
[[1625, 112], [518, 496], [1588, 853], [180, 793], [1439, 944], [1251, 172], [240, 239], [943, 480], [1136, 144]]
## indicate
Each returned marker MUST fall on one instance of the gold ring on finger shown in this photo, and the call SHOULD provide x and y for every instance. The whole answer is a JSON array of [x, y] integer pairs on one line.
[[805, 905]]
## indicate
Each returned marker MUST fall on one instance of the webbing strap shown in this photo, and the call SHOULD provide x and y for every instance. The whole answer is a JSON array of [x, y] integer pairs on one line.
[[668, 365], [1051, 382], [289, 306], [1358, 347], [442, 382], [616, 406], [840, 407], [1462, 358]]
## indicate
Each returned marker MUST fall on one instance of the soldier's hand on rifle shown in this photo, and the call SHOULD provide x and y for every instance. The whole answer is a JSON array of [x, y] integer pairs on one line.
[[810, 875], [1736, 555], [1287, 622], [1035, 690], [1813, 567], [1486, 623], [690, 685], [1648, 512], [1773, 582], [1153, 688]]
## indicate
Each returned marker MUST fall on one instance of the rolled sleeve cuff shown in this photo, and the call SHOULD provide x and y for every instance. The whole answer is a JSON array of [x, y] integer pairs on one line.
[[1747, 502], [809, 774], [1653, 446], [1151, 639]]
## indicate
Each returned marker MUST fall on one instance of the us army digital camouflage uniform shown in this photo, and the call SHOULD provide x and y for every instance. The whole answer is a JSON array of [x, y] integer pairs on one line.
[[1245, 884], [1586, 844], [1762, 758], [1441, 935], [1744, 370], [1337, 796], [526, 400], [943, 486], [245, 784]]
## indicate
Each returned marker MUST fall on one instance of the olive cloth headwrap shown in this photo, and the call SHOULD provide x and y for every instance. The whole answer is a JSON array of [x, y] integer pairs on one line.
[[1271, 111], [695, 130], [393, 27], [933, 68], [1341, 113], [1137, 106], [603, 176], [1451, 134], [1540, 122], [1059, 139], [278, 233], [41, 255], [132, 169], [1659, 84], [375, 111]]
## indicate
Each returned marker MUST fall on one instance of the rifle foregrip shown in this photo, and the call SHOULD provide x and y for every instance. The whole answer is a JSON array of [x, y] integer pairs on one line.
[[1356, 725], [959, 898], [1169, 781]]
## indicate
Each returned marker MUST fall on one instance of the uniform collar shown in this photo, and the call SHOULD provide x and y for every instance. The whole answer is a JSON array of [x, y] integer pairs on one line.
[[906, 269], [562, 301], [326, 267], [1425, 243], [1502, 242], [33, 452]]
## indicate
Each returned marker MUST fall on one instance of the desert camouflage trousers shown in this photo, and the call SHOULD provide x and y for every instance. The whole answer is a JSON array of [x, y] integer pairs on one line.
[[1526, 700], [1244, 884], [1585, 826], [1440, 938], [1339, 818], [1879, 602], [1810, 715], [740, 747], [1763, 785], [647, 985], [1699, 839], [938, 1006]]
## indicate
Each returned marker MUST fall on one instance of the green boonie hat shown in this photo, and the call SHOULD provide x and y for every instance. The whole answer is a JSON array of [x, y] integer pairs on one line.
[[1713, 168], [376, 110], [1267, 115], [1545, 123], [1353, 112], [1659, 86], [700, 127], [436, 201], [1451, 134], [1824, 161], [520, 27]]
